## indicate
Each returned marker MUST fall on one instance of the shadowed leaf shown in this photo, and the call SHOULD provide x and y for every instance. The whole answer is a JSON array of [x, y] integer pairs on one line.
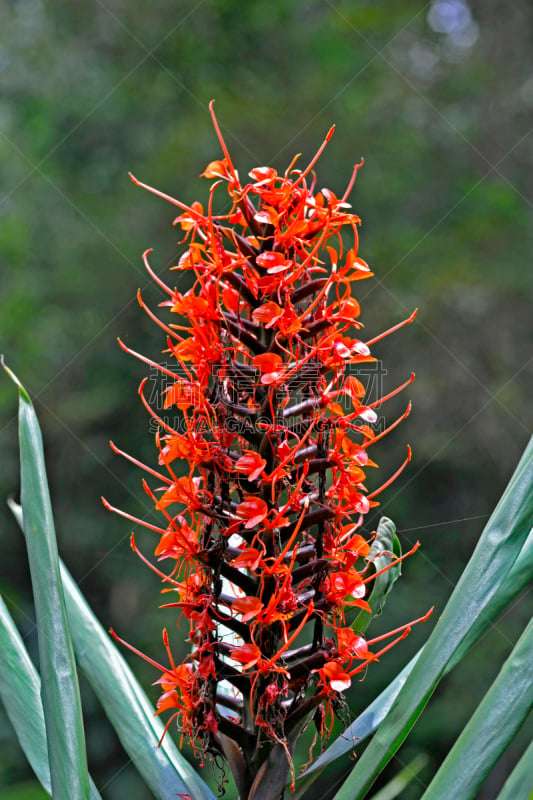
[[490, 730], [20, 693], [59, 690]]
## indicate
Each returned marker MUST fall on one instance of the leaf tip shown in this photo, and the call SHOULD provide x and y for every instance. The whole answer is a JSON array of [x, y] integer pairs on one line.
[[22, 391]]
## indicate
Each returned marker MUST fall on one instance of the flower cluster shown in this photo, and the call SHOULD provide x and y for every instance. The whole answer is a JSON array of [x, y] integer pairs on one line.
[[264, 526]]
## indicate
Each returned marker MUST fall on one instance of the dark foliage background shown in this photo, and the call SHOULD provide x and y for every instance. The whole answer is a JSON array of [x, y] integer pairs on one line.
[[437, 97]]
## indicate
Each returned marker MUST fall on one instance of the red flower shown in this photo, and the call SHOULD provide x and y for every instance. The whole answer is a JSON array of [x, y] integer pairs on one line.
[[334, 678], [253, 510], [251, 464]]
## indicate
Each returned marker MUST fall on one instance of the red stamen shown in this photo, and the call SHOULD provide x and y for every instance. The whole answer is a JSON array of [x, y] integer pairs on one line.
[[137, 521], [165, 730], [315, 158], [145, 360], [222, 142], [352, 180], [165, 578], [155, 319], [291, 638], [394, 328], [188, 209], [377, 655], [408, 626], [153, 275], [393, 477], [137, 463], [185, 542], [155, 416], [133, 649], [393, 563], [394, 392], [390, 428]]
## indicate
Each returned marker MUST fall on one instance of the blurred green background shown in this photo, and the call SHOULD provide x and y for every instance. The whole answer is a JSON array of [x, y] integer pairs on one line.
[[437, 97]]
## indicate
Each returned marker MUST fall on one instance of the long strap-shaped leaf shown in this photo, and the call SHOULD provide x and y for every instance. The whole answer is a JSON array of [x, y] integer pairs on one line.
[[491, 728], [520, 781], [401, 781], [493, 558], [517, 579], [20, 693], [165, 770], [59, 689]]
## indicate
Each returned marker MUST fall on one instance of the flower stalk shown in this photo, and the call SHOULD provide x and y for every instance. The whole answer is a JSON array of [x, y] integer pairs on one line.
[[264, 529]]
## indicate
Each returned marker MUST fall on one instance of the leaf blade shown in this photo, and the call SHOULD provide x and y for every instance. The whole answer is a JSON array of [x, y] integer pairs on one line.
[[20, 688], [491, 728], [402, 780], [520, 781], [59, 688], [20, 693]]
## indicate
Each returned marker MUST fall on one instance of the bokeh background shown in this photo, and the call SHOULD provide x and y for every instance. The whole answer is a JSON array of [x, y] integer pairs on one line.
[[437, 97]]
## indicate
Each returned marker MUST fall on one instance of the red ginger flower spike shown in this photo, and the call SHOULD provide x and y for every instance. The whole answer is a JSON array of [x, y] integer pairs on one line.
[[265, 528]]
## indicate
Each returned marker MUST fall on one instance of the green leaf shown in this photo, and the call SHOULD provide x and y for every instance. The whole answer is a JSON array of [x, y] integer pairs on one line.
[[493, 558], [20, 692], [491, 728], [164, 769], [400, 781], [385, 547], [516, 580], [60, 691], [520, 781]]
